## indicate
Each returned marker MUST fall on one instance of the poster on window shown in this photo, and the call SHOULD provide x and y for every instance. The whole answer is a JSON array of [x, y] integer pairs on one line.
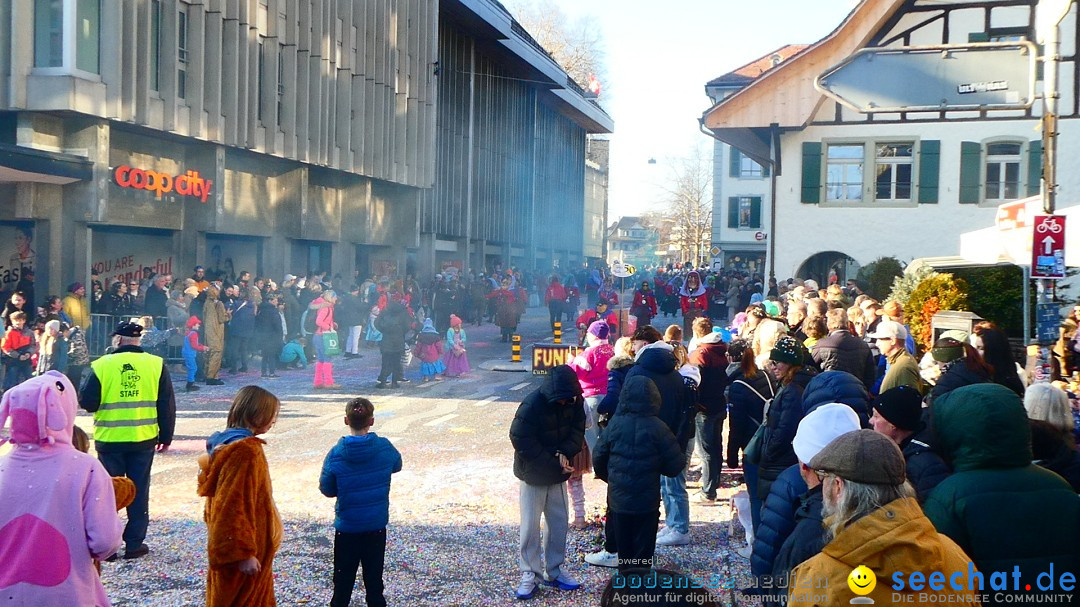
[[228, 256], [18, 256], [121, 256]]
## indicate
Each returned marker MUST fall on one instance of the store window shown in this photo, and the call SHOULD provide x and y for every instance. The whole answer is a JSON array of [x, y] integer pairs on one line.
[[893, 171], [844, 172], [67, 34]]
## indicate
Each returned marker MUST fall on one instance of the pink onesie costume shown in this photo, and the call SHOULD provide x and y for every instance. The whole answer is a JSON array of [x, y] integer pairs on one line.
[[57, 507]]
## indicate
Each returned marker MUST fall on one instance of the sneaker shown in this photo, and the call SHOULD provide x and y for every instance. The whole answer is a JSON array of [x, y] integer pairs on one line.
[[137, 552], [382, 385], [527, 588], [745, 552], [404, 380], [272, 376], [603, 559], [664, 531], [563, 582], [674, 538], [702, 498], [214, 382]]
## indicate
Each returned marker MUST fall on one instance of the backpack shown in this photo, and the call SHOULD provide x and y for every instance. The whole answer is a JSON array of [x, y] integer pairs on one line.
[[307, 322]]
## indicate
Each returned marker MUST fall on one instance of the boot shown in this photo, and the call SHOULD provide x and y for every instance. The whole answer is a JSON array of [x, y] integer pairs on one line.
[[190, 387], [328, 377]]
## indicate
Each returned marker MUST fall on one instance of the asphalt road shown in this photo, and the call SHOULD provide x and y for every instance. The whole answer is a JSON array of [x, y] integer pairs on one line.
[[454, 519]]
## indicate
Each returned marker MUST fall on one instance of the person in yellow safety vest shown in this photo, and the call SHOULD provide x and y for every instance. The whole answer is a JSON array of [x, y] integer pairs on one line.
[[131, 396]]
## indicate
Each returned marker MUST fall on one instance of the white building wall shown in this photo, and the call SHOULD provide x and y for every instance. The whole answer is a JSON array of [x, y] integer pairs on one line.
[[867, 231], [724, 188]]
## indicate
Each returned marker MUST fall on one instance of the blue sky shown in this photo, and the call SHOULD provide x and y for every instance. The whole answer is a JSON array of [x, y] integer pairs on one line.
[[659, 55]]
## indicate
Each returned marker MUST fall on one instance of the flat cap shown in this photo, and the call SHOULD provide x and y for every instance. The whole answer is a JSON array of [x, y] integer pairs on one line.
[[862, 456]]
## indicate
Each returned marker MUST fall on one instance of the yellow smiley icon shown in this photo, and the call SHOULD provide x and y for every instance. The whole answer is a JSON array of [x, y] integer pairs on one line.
[[862, 580]]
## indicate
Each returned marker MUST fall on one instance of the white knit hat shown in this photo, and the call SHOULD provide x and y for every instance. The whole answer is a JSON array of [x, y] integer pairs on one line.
[[820, 427]]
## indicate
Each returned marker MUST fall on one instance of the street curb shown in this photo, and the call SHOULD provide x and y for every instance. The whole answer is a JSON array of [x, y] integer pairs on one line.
[[503, 365]]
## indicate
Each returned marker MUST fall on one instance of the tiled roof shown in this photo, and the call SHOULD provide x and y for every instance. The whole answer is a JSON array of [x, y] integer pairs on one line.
[[750, 72]]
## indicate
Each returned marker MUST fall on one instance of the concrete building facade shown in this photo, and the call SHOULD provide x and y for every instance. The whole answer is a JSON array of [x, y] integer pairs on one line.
[[264, 135]]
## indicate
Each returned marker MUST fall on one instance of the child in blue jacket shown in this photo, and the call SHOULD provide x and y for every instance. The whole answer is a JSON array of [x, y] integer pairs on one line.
[[357, 472]]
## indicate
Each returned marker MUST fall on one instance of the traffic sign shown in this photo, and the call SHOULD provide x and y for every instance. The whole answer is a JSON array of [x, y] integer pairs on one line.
[[760, 235], [1048, 247], [622, 270], [715, 251], [982, 76]]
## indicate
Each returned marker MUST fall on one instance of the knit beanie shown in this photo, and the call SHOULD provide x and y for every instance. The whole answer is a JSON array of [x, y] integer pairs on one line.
[[599, 329], [820, 427], [901, 406], [787, 350]]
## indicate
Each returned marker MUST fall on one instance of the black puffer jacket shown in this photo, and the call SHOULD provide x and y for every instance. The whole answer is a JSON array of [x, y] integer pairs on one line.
[[838, 387], [542, 428], [658, 364], [393, 323], [635, 449], [925, 468], [782, 420], [956, 375], [842, 351], [746, 404], [777, 519], [808, 536]]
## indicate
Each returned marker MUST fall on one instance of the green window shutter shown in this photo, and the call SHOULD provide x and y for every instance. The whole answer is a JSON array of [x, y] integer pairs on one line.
[[929, 169], [733, 162], [811, 172], [978, 37], [733, 212], [1034, 173], [755, 212], [970, 172]]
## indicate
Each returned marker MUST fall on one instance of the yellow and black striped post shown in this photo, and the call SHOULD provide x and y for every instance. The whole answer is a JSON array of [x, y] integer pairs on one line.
[[558, 332], [515, 349]]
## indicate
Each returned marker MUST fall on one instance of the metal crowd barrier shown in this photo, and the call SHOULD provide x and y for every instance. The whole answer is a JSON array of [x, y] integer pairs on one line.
[[99, 337]]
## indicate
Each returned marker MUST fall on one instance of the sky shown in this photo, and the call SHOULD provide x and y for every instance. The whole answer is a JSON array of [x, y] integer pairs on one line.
[[659, 55]]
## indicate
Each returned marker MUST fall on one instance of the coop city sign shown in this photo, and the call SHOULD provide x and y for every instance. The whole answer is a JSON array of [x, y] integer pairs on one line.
[[186, 184]]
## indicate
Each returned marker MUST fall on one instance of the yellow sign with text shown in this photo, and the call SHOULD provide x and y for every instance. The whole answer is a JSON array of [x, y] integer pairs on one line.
[[546, 357]]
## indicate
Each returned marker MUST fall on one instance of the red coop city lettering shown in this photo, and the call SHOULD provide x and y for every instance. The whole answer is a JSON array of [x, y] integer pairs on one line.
[[188, 184]]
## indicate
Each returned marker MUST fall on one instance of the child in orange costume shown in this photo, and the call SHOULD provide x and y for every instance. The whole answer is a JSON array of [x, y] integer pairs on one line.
[[242, 523]]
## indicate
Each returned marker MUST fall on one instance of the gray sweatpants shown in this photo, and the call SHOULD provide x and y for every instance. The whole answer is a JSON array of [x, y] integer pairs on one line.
[[549, 500]]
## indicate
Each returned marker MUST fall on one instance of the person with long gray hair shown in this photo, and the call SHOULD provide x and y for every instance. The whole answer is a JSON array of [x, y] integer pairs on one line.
[[875, 529]]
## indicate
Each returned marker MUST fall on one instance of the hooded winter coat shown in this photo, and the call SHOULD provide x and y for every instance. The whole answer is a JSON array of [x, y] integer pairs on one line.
[[711, 359], [543, 428], [591, 368], [746, 404], [894, 538], [635, 449], [618, 366], [838, 387], [777, 519], [656, 362], [1000, 508], [807, 538], [241, 522], [393, 323], [357, 472], [842, 351]]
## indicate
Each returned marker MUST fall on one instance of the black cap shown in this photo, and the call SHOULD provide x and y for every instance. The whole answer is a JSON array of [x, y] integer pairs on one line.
[[901, 406], [128, 329]]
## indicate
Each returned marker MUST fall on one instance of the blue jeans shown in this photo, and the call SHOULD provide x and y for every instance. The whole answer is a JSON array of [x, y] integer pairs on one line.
[[676, 502], [750, 474], [320, 348]]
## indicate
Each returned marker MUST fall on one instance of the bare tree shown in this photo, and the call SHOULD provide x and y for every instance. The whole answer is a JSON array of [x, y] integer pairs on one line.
[[575, 44], [687, 205]]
